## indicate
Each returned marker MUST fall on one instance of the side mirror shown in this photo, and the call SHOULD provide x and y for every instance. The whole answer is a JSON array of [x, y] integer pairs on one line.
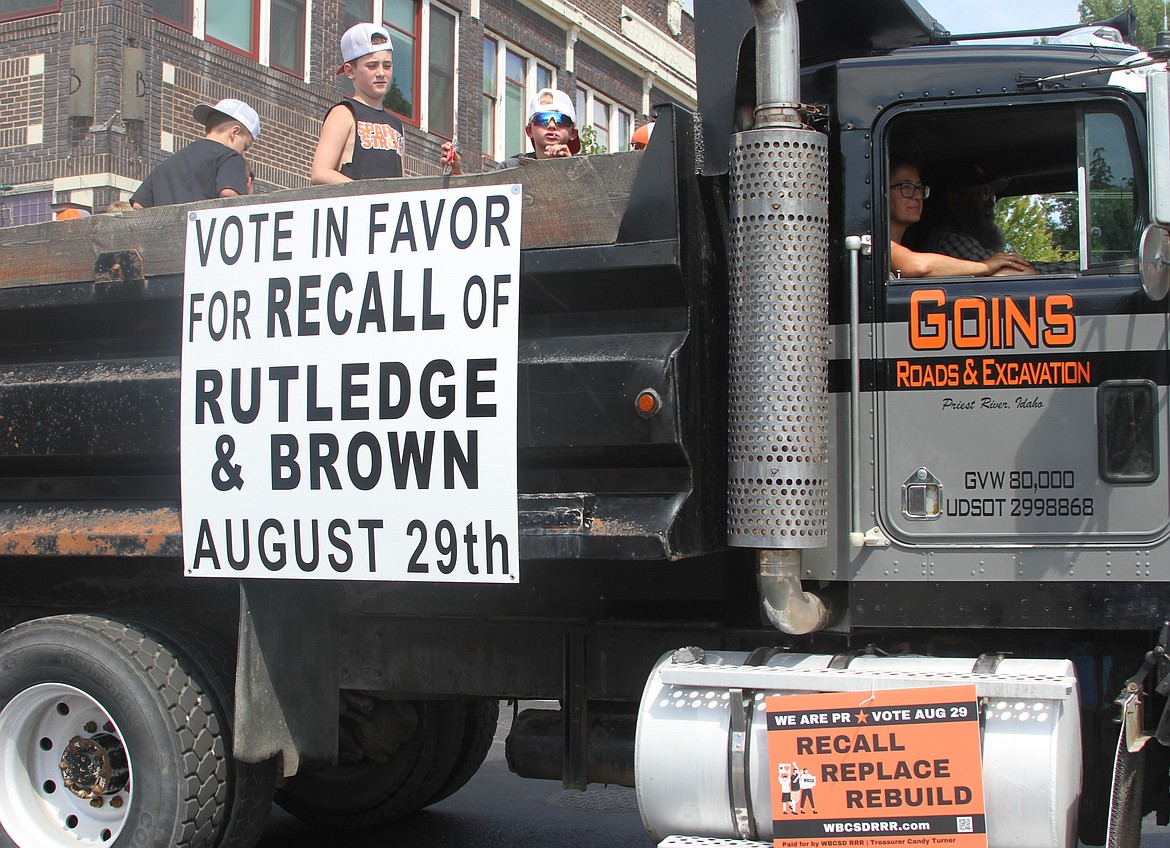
[[1158, 131], [1155, 262]]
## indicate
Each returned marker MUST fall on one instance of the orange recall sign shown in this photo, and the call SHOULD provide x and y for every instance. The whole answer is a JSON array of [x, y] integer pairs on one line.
[[888, 767]]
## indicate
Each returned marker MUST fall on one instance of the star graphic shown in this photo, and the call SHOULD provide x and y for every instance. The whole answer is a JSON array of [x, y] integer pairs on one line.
[[862, 717]]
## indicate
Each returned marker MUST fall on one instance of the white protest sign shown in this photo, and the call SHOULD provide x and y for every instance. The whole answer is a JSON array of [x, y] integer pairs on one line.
[[349, 388]]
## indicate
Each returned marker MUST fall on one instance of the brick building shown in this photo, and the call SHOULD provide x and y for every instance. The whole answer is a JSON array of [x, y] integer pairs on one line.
[[93, 93]]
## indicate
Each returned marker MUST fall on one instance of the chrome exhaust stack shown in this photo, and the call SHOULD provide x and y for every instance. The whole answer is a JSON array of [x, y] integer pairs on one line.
[[778, 428]]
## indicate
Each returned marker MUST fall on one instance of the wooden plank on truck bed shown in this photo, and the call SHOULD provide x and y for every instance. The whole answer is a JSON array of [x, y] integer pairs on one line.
[[567, 203]]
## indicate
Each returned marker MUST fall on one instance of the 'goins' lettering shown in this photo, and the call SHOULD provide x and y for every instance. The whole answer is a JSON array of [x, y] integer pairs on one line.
[[983, 323]]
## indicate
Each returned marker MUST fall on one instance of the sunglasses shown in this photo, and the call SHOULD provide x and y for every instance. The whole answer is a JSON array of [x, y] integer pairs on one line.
[[542, 118]]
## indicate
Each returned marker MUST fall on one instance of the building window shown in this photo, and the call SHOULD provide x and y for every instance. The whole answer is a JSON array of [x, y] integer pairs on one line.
[[12, 9], [623, 129], [401, 19], [510, 78], [286, 37], [515, 101], [233, 24], [30, 208], [599, 120], [273, 32], [611, 124], [441, 73], [357, 12], [174, 12], [425, 39], [490, 97]]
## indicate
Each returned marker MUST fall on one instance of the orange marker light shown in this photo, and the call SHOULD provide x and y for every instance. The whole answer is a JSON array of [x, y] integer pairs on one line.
[[648, 402]]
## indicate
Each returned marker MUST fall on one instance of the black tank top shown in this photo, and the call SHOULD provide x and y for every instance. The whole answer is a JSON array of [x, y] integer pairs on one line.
[[378, 143]]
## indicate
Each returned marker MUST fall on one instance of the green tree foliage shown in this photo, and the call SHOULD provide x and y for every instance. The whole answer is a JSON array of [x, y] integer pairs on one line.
[[395, 100], [1030, 224], [589, 143], [1112, 215], [1063, 209], [1150, 16]]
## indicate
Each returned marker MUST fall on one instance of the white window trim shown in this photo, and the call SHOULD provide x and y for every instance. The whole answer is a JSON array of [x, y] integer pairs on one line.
[[264, 42], [502, 48], [308, 41], [615, 109]]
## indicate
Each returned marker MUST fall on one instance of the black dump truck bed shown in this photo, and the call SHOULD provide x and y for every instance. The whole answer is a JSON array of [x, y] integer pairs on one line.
[[616, 268]]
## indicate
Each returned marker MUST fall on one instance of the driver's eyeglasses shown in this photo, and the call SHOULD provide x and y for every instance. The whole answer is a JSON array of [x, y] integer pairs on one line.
[[542, 118], [911, 189]]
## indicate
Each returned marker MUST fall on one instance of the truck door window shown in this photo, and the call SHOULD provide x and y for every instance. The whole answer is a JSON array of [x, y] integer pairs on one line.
[[1111, 201], [1064, 178]]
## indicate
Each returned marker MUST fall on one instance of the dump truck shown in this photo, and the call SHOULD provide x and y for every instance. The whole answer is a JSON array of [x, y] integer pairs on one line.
[[295, 489]]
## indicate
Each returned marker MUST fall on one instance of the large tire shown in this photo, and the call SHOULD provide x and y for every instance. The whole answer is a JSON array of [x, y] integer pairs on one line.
[[251, 786], [483, 714], [440, 755], [113, 701]]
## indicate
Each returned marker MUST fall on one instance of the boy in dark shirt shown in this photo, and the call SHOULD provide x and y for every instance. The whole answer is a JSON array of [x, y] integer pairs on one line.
[[211, 167], [359, 138]]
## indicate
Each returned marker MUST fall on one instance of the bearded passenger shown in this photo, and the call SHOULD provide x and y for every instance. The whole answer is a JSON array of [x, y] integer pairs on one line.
[[967, 228]]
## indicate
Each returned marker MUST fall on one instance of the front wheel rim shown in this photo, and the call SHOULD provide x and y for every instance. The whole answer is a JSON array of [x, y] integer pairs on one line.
[[38, 728]]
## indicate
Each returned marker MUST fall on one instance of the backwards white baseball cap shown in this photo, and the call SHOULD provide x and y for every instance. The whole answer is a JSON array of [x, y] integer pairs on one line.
[[237, 110], [551, 100], [358, 41]]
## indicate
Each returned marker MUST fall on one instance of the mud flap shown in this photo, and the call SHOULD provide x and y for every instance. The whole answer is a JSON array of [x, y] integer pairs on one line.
[[287, 701], [1124, 829], [1126, 794]]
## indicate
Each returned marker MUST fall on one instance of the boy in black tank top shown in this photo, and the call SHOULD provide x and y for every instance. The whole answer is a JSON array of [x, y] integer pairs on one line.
[[359, 138]]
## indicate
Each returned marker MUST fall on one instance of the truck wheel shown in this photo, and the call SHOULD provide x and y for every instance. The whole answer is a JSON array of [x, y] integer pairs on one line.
[[211, 654], [404, 757], [483, 714], [105, 739]]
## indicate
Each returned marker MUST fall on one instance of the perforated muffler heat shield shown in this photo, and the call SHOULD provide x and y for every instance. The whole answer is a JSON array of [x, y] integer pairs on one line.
[[778, 393]]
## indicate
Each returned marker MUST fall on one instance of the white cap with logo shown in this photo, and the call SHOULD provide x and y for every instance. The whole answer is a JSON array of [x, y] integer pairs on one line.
[[237, 110], [358, 41]]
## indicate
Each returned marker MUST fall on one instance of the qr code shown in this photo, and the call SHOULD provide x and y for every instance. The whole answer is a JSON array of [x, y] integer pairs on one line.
[[963, 824]]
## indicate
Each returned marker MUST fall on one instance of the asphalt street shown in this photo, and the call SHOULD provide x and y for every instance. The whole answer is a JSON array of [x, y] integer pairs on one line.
[[496, 809]]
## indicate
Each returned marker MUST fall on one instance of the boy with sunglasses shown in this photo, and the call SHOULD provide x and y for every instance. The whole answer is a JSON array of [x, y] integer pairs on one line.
[[552, 127]]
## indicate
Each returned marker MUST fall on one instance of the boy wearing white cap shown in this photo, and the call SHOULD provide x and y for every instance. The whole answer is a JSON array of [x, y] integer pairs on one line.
[[359, 138], [551, 125], [211, 167]]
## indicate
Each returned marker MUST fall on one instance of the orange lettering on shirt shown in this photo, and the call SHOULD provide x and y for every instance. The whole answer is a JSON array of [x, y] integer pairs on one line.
[[379, 136]]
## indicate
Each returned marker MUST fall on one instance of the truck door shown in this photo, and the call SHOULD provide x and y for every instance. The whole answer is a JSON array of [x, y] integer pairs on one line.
[[1024, 409]]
